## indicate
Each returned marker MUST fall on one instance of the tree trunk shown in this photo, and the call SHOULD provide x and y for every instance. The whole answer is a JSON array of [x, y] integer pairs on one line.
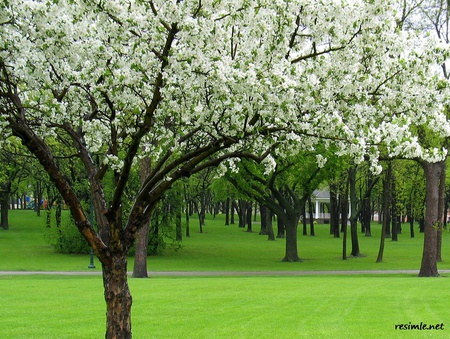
[[433, 172], [227, 212], [304, 223], [141, 245], [4, 204], [118, 298], [281, 228], [140, 257], [344, 219], [353, 212], [441, 215], [263, 210], [386, 185], [179, 231], [186, 217], [394, 218], [269, 224], [311, 217], [411, 226], [248, 216], [334, 211], [291, 240]]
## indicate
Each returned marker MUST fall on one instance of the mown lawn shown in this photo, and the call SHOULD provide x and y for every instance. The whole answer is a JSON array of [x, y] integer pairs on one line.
[[221, 248], [332, 306], [229, 307]]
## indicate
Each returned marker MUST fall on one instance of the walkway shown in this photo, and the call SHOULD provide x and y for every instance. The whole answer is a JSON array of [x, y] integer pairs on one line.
[[227, 273]]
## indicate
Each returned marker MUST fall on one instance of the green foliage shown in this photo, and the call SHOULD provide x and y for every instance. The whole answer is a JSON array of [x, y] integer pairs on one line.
[[65, 238]]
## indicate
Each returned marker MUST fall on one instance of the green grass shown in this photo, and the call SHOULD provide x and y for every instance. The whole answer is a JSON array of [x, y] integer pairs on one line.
[[332, 306], [221, 248], [229, 307]]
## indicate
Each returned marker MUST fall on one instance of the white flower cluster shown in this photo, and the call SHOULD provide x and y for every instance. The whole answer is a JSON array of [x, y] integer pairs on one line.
[[295, 72]]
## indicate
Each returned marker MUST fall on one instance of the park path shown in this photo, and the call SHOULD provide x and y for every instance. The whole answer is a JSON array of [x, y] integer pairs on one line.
[[226, 273]]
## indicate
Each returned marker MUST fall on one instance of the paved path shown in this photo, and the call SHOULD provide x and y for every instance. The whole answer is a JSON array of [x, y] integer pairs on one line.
[[227, 273]]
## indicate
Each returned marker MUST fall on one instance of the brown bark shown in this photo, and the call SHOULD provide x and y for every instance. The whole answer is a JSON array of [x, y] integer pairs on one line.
[[353, 212], [433, 172], [441, 214], [140, 256], [118, 298], [291, 254], [385, 214]]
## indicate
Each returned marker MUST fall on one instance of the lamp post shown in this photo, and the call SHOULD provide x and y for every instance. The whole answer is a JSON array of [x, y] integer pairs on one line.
[[91, 220]]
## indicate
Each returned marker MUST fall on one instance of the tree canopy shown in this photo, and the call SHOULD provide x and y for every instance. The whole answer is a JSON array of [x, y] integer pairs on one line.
[[195, 84]]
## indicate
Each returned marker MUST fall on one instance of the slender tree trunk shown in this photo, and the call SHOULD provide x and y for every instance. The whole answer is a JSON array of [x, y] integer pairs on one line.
[[140, 257], [441, 215], [269, 224], [394, 217], [186, 217], [118, 298], [344, 219], [141, 245], [178, 230], [227, 212], [386, 185], [249, 216], [353, 212], [411, 226], [311, 217], [433, 172], [291, 240], [232, 208], [304, 223], [281, 228], [263, 210], [367, 210], [4, 204]]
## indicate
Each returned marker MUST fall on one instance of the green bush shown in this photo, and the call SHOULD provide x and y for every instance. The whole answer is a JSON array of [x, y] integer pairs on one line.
[[65, 238]]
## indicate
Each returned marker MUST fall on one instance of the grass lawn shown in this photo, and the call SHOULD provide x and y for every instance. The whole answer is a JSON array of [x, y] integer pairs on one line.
[[229, 307], [354, 306]]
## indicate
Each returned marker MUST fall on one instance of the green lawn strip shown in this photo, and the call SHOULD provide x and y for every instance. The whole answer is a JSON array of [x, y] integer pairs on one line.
[[220, 248], [361, 306]]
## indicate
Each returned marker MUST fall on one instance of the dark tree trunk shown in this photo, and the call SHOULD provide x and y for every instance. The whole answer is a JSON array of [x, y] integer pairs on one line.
[[353, 212], [366, 216], [186, 217], [142, 235], [411, 226], [311, 217], [394, 217], [241, 208], [291, 240], [232, 208], [281, 228], [263, 211], [334, 211], [227, 212], [441, 215], [178, 229], [140, 257], [304, 222], [386, 185], [433, 172], [248, 217], [118, 298], [344, 219], [269, 217], [422, 225], [4, 204]]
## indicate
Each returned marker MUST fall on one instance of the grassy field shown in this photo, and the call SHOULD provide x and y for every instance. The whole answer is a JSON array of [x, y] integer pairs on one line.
[[353, 306], [221, 248]]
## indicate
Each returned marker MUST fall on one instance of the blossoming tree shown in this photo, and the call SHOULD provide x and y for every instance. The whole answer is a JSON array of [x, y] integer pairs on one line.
[[192, 84]]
